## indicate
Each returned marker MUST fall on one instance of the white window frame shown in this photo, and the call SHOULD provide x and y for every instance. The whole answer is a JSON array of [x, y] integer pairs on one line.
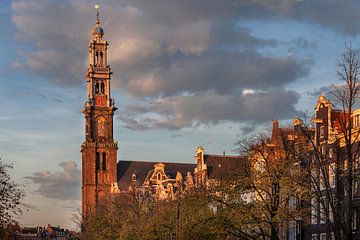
[[331, 174], [357, 121], [314, 211], [322, 131], [322, 213]]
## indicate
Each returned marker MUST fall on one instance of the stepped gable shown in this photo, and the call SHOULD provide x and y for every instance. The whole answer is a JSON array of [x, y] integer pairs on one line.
[[126, 169]]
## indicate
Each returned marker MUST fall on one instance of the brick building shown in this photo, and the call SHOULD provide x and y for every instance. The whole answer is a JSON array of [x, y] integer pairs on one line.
[[102, 174], [331, 171]]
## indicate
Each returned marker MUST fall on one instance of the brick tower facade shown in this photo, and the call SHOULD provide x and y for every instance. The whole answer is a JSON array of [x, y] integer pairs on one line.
[[99, 150]]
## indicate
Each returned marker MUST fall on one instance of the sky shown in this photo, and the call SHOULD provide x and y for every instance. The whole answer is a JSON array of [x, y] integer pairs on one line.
[[186, 73]]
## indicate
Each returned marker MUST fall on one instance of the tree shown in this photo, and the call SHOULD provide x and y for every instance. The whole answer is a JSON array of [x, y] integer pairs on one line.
[[138, 215], [335, 151], [346, 97], [260, 203], [11, 196]]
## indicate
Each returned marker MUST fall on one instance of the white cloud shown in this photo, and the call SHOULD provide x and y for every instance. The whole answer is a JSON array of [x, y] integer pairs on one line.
[[63, 185]]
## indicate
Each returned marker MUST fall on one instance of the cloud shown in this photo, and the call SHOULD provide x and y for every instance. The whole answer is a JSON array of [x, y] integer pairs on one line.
[[150, 40], [152, 45], [325, 90], [222, 72], [341, 16], [178, 59], [247, 129], [63, 185], [210, 108]]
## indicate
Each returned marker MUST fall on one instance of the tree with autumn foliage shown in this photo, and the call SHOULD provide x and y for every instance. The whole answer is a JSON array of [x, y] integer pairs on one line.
[[11, 195]]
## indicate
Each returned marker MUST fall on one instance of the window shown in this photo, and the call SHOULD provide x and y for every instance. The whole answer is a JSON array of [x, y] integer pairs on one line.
[[331, 216], [322, 131], [355, 162], [314, 237], [313, 211], [102, 88], [97, 161], [355, 219], [101, 58], [357, 121], [332, 174], [345, 164], [96, 88], [323, 236], [322, 214], [322, 180], [103, 161], [332, 236], [323, 150], [96, 58], [355, 187], [133, 177]]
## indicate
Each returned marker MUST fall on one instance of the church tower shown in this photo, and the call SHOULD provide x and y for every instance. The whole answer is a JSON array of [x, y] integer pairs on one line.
[[99, 150]]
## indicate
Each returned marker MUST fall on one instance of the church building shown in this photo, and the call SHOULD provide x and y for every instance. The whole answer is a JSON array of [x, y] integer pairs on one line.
[[102, 174]]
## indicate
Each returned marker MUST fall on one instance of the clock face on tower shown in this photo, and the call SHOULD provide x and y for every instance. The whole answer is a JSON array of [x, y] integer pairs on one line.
[[100, 101]]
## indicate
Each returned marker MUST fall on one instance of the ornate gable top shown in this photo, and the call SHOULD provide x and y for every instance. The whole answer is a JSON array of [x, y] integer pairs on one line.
[[322, 102]]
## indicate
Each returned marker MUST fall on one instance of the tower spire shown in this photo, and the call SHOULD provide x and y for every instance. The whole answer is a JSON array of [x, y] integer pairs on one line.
[[99, 150], [98, 32], [97, 6]]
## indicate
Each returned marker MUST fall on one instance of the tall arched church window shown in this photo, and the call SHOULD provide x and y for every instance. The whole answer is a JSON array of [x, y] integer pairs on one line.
[[96, 87], [97, 161], [102, 88], [103, 161]]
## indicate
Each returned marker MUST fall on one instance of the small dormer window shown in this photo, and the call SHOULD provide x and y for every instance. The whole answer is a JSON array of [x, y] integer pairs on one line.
[[133, 177]]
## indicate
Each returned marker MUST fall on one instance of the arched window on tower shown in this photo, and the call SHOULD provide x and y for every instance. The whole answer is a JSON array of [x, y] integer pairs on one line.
[[102, 88], [103, 161], [101, 58], [97, 161], [96, 88], [97, 58]]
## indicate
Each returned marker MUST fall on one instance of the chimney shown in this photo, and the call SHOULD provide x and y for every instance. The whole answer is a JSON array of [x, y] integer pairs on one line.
[[275, 130], [224, 153]]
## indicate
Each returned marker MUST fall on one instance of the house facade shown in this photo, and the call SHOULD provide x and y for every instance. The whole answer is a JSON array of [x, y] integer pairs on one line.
[[335, 182]]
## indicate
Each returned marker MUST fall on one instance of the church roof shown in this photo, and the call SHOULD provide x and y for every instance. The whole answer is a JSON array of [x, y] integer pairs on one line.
[[221, 166], [126, 169]]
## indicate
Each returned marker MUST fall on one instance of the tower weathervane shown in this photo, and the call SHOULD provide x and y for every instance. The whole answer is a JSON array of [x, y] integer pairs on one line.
[[97, 6]]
